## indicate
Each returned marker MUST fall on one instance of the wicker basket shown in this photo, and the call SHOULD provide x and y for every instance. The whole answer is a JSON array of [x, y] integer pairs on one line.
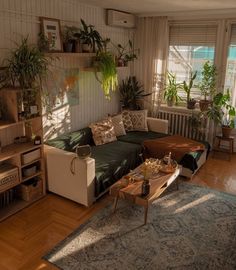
[[32, 190]]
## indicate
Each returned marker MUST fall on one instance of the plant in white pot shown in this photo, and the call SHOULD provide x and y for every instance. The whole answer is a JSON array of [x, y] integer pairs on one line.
[[223, 113], [171, 90], [208, 85]]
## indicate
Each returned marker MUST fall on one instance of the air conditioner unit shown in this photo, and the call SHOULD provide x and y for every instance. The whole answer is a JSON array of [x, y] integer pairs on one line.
[[120, 19]]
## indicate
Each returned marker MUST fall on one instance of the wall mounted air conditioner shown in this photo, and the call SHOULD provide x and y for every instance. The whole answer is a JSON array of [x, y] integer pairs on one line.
[[120, 19]]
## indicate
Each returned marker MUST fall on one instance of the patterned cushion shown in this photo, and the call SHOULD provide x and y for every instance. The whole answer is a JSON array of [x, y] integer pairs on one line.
[[127, 120], [103, 132], [139, 120], [118, 125]]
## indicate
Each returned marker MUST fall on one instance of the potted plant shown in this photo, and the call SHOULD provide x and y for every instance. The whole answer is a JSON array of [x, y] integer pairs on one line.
[[26, 67], [223, 113], [43, 42], [126, 54], [207, 85], [105, 64], [171, 90], [89, 37], [187, 88], [131, 93], [69, 38]]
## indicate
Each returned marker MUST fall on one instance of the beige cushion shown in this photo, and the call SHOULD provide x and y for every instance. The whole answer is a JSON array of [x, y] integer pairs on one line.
[[139, 120], [103, 132], [127, 120], [118, 124]]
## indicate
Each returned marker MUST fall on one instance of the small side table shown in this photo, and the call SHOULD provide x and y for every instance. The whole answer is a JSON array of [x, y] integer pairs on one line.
[[219, 139]]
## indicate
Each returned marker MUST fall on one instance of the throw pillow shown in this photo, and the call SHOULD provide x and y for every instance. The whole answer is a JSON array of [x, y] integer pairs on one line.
[[139, 120], [127, 120], [103, 132], [118, 124]]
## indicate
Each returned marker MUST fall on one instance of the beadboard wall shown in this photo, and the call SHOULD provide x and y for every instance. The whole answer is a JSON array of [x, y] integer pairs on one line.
[[19, 18]]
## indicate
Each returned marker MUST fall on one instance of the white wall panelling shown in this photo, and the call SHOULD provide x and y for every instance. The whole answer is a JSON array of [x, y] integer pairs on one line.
[[19, 18]]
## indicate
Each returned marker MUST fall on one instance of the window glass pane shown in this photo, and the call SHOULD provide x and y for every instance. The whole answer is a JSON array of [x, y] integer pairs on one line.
[[186, 59]]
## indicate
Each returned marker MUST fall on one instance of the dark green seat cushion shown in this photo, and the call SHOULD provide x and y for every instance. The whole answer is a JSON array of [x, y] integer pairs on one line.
[[69, 141], [139, 137], [112, 161]]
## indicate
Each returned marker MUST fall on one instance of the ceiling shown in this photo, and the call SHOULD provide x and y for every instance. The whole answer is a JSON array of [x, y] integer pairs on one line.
[[163, 6]]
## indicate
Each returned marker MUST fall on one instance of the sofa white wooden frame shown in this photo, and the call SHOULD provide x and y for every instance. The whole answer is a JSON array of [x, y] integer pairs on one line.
[[79, 186]]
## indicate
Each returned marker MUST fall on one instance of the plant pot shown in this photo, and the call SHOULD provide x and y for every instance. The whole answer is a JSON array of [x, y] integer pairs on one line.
[[120, 63], [170, 103], [191, 104], [226, 131], [86, 48], [204, 105], [68, 47], [77, 47]]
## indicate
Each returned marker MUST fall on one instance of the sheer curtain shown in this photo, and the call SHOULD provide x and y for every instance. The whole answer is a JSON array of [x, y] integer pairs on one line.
[[151, 38]]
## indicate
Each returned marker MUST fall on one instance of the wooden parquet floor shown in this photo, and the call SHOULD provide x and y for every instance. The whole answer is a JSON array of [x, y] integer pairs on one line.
[[28, 235]]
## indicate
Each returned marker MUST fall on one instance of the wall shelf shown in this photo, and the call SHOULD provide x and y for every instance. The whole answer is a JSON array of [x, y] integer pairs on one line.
[[7, 124], [80, 55]]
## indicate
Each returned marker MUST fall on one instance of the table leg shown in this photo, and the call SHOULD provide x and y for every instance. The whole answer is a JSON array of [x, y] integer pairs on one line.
[[115, 203], [145, 214]]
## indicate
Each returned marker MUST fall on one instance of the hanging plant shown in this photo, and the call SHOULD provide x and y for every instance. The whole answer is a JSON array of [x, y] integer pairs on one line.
[[105, 64]]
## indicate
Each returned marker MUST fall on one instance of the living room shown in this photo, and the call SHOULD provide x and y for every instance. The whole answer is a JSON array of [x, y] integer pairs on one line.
[[117, 134]]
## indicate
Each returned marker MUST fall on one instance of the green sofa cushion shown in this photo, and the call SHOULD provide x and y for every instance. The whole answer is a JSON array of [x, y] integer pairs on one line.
[[139, 137], [69, 141], [112, 161]]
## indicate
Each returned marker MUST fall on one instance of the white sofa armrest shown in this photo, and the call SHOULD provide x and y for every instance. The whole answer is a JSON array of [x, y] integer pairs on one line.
[[79, 186], [157, 125]]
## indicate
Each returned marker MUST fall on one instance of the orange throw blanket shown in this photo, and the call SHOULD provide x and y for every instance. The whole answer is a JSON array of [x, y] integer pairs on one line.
[[176, 144]]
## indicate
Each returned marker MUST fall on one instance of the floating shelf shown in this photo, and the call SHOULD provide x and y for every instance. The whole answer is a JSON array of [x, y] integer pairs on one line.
[[92, 69], [7, 124], [82, 55]]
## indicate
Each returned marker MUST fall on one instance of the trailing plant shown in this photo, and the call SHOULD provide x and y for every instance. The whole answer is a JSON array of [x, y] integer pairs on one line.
[[171, 90], [207, 85], [27, 65], [88, 35], [126, 53], [106, 65], [131, 93]]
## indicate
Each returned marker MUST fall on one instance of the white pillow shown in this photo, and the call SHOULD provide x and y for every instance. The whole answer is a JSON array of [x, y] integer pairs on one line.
[[139, 120]]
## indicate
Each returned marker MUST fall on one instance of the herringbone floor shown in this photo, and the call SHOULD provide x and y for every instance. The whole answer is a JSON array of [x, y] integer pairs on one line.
[[28, 235]]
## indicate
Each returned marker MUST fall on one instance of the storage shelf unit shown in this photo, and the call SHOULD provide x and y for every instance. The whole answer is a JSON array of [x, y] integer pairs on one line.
[[14, 153]]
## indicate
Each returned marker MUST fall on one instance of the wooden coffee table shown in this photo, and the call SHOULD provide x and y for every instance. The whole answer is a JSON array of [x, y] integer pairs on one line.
[[132, 191]]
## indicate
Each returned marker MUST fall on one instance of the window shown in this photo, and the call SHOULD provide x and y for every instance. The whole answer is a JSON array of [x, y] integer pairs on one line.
[[230, 76], [189, 48]]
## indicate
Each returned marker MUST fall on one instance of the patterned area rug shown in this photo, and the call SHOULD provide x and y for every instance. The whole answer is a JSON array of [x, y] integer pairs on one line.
[[193, 228]]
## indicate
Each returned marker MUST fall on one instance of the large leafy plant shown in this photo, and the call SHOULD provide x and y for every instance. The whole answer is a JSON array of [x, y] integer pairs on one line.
[[207, 85], [26, 65], [131, 92]]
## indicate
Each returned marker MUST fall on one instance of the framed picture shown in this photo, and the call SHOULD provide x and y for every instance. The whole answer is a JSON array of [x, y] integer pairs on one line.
[[51, 29]]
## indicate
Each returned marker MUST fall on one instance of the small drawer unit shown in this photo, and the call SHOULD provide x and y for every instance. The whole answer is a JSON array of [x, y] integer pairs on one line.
[[31, 156], [9, 176]]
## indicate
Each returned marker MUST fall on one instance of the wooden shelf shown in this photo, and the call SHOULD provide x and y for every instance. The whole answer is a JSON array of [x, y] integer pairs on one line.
[[15, 207], [32, 162], [92, 69], [15, 149], [24, 179], [81, 55], [7, 124]]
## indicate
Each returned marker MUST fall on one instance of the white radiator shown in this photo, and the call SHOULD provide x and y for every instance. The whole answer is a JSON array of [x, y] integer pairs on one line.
[[179, 123]]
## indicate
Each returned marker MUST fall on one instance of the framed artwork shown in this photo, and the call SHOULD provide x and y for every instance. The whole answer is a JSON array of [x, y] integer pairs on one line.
[[51, 29]]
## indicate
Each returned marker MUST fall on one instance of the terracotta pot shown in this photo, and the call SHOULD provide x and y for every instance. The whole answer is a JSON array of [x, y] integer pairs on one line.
[[204, 105], [170, 103], [86, 48], [191, 104], [226, 131]]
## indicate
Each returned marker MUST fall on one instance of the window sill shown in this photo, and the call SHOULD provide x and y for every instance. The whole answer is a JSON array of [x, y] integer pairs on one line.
[[180, 109]]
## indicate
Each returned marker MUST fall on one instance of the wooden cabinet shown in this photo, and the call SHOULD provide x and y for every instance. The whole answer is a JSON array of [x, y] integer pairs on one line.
[[21, 161]]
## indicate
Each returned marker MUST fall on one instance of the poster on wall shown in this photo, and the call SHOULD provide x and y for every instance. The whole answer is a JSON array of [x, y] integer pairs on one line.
[[52, 31]]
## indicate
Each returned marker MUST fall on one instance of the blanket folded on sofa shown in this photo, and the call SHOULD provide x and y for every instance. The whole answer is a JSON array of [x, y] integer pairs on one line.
[[178, 145]]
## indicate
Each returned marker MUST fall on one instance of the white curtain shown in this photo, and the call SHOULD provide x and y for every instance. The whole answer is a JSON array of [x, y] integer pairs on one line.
[[152, 38]]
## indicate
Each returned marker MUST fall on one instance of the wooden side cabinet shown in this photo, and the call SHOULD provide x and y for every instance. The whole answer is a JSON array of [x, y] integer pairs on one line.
[[22, 173]]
